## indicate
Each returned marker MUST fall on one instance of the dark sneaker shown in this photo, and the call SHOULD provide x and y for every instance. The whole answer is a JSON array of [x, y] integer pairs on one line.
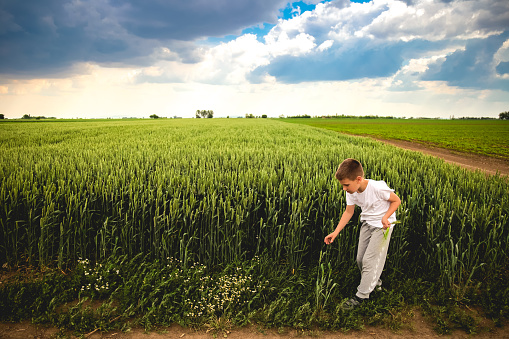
[[352, 303]]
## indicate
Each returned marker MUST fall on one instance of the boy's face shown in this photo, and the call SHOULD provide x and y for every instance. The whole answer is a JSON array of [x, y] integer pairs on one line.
[[351, 186]]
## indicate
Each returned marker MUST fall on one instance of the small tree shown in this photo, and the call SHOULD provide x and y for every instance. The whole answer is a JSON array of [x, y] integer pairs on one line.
[[264, 116], [2, 116], [204, 114], [154, 116], [504, 116]]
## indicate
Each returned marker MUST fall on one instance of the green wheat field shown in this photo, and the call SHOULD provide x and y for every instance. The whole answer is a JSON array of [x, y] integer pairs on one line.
[[218, 222]]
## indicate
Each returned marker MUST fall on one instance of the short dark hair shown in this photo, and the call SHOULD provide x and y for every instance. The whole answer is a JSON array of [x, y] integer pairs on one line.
[[349, 169]]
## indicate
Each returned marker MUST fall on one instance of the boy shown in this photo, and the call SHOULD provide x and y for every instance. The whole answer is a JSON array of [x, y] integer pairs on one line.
[[378, 205]]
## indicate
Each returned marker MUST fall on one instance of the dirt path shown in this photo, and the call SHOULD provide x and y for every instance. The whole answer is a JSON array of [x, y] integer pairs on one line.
[[470, 161], [416, 327]]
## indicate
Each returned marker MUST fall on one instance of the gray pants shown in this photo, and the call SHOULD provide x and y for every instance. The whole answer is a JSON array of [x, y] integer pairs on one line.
[[371, 256]]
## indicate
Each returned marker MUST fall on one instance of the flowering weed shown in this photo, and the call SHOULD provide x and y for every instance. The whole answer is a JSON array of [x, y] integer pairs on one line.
[[98, 280]]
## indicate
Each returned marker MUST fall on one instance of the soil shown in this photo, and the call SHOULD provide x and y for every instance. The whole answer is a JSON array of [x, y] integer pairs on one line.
[[416, 326]]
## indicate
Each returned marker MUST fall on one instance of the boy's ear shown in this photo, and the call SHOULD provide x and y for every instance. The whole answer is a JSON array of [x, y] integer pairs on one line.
[[358, 179]]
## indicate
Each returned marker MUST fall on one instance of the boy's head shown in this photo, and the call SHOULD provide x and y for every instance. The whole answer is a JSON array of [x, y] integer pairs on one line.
[[349, 169]]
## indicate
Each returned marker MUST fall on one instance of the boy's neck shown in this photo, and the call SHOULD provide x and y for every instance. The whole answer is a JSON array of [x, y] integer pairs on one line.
[[363, 185]]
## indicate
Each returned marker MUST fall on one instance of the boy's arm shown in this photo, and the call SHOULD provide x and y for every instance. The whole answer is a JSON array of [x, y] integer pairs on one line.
[[345, 218], [395, 202]]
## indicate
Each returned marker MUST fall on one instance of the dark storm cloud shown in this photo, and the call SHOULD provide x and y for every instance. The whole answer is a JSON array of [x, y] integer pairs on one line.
[[365, 60], [47, 37], [330, 67], [40, 38], [472, 67], [188, 19]]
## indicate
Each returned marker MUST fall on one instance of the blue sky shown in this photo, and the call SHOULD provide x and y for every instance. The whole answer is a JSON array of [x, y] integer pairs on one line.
[[262, 29], [113, 58]]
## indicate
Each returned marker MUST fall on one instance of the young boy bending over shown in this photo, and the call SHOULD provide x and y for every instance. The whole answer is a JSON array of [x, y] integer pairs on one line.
[[378, 205]]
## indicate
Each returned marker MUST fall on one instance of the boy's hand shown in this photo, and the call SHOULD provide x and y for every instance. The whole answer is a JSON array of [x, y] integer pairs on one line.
[[330, 238], [386, 224]]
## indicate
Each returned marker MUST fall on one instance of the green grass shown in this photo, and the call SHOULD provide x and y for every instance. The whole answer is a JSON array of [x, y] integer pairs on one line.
[[486, 137]]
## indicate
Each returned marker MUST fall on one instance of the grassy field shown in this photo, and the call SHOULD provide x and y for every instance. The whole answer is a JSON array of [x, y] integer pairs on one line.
[[486, 137], [204, 222]]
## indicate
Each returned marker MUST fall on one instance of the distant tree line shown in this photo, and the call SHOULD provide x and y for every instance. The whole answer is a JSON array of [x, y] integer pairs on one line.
[[343, 116], [298, 116], [475, 118], [28, 116], [251, 116], [155, 116], [501, 116], [210, 114]]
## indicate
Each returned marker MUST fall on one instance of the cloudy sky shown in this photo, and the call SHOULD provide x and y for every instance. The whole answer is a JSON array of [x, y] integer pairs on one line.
[[134, 58]]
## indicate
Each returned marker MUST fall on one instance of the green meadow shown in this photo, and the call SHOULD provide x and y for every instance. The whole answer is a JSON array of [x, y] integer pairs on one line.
[[486, 137], [213, 223]]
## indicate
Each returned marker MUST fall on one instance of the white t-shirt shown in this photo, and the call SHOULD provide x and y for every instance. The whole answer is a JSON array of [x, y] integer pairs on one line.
[[373, 202]]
